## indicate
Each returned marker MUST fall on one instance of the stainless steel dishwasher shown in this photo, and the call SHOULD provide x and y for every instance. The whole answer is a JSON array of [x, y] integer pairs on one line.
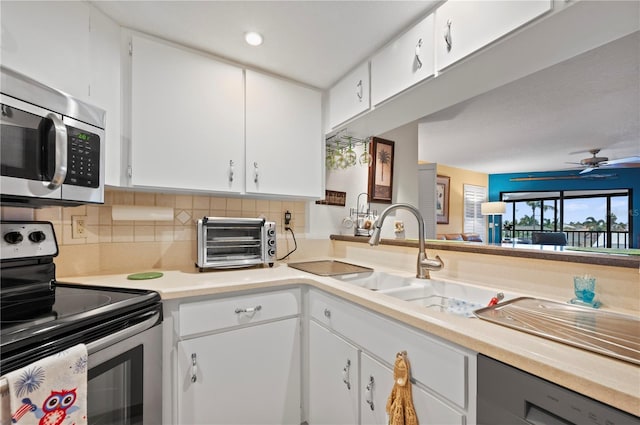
[[509, 396]]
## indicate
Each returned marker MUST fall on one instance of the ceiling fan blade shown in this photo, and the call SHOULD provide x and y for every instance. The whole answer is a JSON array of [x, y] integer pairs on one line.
[[587, 170], [622, 160]]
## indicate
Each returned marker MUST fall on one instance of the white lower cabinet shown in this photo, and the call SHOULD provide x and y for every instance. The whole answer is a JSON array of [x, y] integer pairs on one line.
[[333, 378], [443, 375], [376, 383], [243, 376]]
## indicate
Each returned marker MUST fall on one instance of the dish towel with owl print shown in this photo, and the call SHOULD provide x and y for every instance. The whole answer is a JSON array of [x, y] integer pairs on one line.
[[400, 403], [51, 391]]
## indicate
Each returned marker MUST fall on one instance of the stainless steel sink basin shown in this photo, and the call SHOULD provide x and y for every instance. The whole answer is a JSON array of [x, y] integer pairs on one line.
[[438, 295], [376, 281]]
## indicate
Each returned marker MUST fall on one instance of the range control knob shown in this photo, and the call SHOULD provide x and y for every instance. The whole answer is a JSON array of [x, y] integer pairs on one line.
[[13, 237], [37, 236]]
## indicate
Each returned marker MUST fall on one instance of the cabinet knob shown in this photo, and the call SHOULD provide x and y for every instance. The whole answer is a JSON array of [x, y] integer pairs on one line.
[[417, 52], [249, 310], [447, 35], [345, 374], [194, 368], [327, 313], [369, 392]]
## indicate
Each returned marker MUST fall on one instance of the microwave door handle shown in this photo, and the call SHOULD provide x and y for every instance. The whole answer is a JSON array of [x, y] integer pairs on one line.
[[60, 172]]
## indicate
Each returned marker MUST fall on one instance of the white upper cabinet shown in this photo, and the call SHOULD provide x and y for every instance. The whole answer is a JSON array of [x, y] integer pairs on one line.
[[283, 138], [350, 96], [462, 27], [49, 42], [105, 90], [403, 63], [187, 120]]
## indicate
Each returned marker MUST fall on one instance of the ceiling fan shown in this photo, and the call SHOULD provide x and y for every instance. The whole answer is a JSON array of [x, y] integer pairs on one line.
[[596, 161]]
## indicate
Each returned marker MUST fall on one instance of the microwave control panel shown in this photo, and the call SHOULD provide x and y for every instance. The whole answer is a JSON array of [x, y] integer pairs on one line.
[[83, 164]]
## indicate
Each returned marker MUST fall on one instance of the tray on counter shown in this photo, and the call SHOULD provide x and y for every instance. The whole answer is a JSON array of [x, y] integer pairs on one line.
[[329, 267], [614, 335]]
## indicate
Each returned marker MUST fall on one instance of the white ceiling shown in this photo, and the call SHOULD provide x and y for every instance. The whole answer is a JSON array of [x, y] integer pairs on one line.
[[533, 124], [314, 42], [539, 122]]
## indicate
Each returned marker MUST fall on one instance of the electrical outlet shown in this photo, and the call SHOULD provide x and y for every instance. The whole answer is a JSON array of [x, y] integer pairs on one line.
[[78, 226], [287, 219]]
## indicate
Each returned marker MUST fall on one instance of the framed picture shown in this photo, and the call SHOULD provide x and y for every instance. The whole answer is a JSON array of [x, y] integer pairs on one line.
[[442, 199], [381, 170]]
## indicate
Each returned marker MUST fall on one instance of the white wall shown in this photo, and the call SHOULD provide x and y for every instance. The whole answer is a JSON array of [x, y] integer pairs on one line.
[[327, 219]]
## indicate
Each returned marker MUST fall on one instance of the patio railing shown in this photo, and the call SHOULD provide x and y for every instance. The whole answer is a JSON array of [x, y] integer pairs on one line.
[[580, 238]]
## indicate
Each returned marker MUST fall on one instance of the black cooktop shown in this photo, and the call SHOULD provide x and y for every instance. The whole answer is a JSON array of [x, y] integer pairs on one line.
[[79, 314]]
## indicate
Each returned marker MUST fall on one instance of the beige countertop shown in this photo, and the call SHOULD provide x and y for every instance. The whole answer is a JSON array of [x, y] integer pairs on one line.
[[614, 382]]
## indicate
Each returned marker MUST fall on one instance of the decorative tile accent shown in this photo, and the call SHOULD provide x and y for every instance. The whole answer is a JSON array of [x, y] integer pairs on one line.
[[183, 217]]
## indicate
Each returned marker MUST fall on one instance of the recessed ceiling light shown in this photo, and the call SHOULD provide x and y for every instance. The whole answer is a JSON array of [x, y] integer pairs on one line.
[[253, 38]]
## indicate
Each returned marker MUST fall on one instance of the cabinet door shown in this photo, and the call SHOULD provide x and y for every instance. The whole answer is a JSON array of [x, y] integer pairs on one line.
[[333, 378], [462, 27], [403, 63], [376, 384], [104, 41], [49, 42], [187, 112], [350, 96], [283, 138], [244, 376]]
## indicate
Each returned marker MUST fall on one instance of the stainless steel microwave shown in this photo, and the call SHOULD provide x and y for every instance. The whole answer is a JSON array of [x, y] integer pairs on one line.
[[225, 242], [51, 145]]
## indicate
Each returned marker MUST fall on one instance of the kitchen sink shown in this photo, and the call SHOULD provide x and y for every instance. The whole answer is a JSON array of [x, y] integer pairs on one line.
[[449, 297], [376, 281]]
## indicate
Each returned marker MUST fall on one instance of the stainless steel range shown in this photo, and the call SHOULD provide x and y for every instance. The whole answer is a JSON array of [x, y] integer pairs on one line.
[[41, 316]]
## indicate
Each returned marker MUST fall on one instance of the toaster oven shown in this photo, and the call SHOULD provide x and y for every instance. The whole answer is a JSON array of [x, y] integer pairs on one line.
[[225, 242]]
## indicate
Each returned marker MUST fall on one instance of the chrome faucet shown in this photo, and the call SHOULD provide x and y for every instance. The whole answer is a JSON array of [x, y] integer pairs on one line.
[[424, 263]]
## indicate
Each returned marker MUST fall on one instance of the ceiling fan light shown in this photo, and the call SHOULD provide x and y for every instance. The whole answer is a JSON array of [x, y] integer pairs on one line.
[[253, 38]]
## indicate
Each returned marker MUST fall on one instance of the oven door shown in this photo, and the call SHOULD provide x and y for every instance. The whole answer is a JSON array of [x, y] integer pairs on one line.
[[125, 377]]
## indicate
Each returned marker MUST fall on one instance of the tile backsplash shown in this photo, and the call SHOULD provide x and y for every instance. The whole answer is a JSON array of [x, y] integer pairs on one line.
[[100, 228]]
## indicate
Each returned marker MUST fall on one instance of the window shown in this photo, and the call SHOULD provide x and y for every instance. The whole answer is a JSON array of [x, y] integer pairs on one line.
[[474, 222], [588, 218]]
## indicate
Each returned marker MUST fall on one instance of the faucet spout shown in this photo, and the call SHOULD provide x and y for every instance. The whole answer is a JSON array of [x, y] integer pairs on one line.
[[424, 264]]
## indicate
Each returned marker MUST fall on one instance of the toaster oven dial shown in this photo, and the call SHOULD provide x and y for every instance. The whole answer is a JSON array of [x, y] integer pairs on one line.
[[272, 252], [271, 242], [271, 232]]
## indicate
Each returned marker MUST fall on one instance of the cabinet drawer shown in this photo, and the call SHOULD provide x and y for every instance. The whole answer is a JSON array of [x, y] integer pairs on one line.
[[443, 368], [213, 314]]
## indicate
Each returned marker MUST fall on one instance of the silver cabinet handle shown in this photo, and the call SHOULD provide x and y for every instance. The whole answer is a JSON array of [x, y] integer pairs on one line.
[[418, 47], [327, 313], [249, 310], [345, 374], [255, 172], [194, 368], [369, 392], [231, 171], [447, 35], [359, 92], [60, 172]]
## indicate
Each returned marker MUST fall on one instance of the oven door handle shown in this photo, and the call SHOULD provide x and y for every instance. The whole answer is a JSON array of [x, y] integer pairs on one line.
[[107, 341]]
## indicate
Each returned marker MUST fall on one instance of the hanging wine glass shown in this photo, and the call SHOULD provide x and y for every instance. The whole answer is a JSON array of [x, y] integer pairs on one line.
[[330, 161], [365, 156], [350, 156]]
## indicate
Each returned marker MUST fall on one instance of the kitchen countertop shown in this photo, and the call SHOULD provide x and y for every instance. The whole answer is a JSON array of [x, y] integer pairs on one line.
[[614, 382]]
